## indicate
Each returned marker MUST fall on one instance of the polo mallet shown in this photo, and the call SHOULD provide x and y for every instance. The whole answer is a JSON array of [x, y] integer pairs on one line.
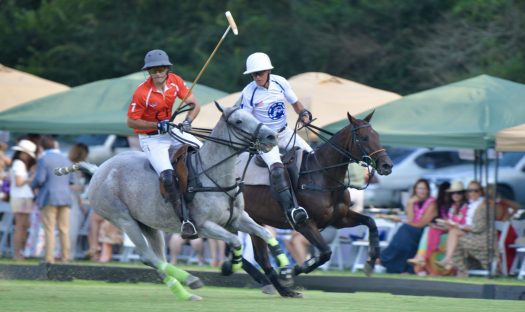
[[231, 26]]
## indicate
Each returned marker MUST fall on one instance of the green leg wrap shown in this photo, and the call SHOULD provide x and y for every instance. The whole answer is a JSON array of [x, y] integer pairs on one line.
[[278, 253], [177, 289], [237, 259], [173, 271]]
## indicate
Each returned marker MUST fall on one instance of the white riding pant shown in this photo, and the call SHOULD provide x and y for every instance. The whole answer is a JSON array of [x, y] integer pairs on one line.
[[286, 141], [157, 147]]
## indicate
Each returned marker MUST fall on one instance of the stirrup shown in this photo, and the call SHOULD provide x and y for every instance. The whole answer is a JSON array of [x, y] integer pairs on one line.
[[188, 230], [298, 215]]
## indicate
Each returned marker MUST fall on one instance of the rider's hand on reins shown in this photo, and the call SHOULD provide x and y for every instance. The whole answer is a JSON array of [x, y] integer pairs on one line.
[[164, 126], [185, 125], [305, 117]]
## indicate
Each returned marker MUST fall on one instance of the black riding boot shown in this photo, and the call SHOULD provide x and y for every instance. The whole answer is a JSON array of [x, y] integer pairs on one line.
[[187, 230], [281, 190]]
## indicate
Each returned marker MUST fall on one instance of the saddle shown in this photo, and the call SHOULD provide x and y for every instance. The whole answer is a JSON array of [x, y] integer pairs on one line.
[[291, 159], [184, 171]]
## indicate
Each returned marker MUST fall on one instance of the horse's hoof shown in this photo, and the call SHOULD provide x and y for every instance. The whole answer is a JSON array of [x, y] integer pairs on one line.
[[268, 289], [226, 268], [194, 282], [194, 298], [294, 294], [368, 269]]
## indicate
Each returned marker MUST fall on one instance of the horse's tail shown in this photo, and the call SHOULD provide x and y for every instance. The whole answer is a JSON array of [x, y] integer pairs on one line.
[[80, 166]]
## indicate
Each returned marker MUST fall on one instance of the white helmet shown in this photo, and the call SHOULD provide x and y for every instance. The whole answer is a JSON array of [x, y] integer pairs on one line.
[[256, 62]]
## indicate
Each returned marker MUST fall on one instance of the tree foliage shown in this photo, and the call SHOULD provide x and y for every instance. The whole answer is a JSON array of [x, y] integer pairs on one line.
[[403, 46]]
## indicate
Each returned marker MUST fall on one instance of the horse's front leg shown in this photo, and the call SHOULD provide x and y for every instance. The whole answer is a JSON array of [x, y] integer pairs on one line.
[[310, 231], [211, 229], [352, 219], [261, 240]]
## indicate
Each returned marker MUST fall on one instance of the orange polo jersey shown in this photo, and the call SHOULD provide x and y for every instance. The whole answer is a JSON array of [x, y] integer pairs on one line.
[[151, 105]]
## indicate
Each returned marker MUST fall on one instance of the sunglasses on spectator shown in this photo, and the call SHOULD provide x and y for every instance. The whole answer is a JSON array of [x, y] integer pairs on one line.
[[156, 70], [259, 73], [473, 190], [458, 192]]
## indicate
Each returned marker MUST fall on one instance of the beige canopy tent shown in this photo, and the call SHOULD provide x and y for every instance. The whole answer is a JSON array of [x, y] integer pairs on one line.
[[18, 87], [511, 139], [328, 97]]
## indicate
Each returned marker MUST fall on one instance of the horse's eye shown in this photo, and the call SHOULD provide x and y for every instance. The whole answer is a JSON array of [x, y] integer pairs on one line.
[[365, 139], [238, 122]]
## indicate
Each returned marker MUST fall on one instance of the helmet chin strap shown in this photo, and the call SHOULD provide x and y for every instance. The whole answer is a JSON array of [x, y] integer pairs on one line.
[[267, 83]]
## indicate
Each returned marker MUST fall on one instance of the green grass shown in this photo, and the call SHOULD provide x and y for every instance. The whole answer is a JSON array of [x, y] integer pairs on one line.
[[82, 296], [513, 281]]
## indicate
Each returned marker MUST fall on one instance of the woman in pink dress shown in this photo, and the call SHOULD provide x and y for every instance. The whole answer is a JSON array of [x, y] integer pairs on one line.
[[431, 238]]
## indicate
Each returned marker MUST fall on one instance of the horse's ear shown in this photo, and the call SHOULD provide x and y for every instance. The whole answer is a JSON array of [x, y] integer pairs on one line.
[[351, 118], [369, 116], [219, 107]]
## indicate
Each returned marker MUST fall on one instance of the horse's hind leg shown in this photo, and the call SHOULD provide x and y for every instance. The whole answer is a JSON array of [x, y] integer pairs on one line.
[[166, 270], [156, 241]]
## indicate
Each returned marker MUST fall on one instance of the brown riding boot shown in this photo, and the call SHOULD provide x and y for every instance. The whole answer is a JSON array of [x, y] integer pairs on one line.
[[281, 190], [187, 229]]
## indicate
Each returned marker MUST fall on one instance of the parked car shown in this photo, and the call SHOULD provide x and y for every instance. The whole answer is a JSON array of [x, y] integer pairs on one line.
[[410, 164], [510, 176]]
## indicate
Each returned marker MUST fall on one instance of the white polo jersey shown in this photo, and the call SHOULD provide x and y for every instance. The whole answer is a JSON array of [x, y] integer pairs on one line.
[[267, 105]]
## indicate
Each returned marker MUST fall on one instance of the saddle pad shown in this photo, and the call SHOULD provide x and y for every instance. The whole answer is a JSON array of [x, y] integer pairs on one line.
[[256, 175]]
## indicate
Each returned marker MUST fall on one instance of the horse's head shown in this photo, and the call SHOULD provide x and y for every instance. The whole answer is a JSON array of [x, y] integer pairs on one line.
[[248, 130], [365, 145]]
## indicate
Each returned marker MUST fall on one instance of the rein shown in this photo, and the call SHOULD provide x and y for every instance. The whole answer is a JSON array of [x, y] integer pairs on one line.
[[367, 160], [249, 143]]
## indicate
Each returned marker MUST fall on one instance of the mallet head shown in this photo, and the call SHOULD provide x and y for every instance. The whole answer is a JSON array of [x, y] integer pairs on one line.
[[232, 22]]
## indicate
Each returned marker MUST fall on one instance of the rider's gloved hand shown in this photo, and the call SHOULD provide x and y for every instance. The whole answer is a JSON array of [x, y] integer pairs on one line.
[[164, 126], [305, 116], [185, 125]]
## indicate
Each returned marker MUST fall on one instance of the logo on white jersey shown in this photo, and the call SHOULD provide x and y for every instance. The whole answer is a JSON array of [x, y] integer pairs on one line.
[[276, 111]]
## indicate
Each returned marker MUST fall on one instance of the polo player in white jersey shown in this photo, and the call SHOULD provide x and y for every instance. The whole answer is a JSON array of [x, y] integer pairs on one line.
[[265, 98]]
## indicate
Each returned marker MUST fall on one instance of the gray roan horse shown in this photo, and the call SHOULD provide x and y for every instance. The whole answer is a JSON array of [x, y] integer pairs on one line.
[[125, 190]]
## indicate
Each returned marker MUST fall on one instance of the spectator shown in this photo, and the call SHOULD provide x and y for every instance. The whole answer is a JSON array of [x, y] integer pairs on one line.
[[298, 246], [5, 161], [435, 233], [356, 179], [95, 223], [420, 210], [175, 246], [217, 251], [53, 197], [79, 211], [21, 195], [469, 239], [109, 235]]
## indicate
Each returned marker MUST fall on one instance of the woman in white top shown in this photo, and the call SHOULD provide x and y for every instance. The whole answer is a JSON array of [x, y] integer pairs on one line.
[[21, 195]]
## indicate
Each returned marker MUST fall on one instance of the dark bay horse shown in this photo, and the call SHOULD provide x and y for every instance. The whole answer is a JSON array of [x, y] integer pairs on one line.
[[321, 190]]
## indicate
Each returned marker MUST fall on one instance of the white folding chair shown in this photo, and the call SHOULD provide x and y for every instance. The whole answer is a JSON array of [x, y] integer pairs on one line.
[[520, 252], [127, 251], [384, 226], [341, 240], [519, 227], [503, 228]]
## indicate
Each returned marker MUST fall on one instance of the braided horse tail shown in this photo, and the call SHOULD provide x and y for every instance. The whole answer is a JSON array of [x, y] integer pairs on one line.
[[80, 166]]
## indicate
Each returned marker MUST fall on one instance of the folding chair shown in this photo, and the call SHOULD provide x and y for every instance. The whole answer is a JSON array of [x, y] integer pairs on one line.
[[386, 229]]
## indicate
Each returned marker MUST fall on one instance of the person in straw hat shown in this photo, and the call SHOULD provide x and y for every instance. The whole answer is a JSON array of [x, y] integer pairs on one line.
[[20, 193], [430, 240]]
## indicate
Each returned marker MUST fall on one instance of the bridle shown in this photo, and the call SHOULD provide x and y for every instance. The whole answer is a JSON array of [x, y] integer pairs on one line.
[[244, 142], [367, 159]]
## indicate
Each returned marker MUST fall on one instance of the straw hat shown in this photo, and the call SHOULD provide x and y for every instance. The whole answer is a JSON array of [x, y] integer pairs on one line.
[[456, 186], [26, 146]]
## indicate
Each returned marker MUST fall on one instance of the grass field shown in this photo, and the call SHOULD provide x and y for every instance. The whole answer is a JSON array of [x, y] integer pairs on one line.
[[79, 296]]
